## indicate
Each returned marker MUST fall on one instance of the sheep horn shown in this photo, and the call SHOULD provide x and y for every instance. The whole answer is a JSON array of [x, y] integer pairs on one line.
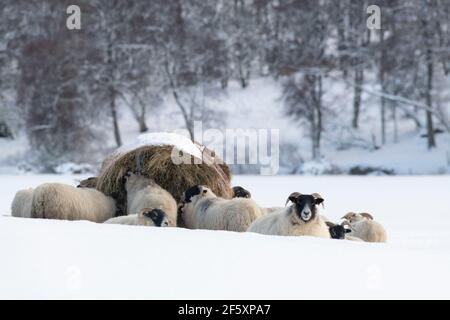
[[367, 215], [318, 196], [292, 195], [348, 216]]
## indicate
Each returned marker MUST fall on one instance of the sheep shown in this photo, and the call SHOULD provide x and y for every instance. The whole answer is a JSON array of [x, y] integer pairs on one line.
[[147, 217], [202, 209], [239, 192], [338, 231], [364, 227], [143, 192], [21, 205], [64, 202], [299, 219]]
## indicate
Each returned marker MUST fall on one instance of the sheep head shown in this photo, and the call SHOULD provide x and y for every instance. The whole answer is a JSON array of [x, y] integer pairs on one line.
[[155, 217], [196, 192], [239, 192], [305, 205], [337, 231], [352, 217]]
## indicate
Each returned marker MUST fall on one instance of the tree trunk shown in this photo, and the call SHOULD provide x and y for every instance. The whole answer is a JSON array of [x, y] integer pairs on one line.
[[359, 77], [383, 88], [395, 120], [112, 105], [142, 125], [142, 117], [316, 125], [112, 98], [430, 126], [5, 132]]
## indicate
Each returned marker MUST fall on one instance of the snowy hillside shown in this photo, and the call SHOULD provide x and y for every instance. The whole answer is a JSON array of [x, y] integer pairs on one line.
[[261, 102], [60, 259]]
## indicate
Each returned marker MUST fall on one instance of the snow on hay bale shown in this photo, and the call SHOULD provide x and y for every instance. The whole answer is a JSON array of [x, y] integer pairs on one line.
[[151, 156]]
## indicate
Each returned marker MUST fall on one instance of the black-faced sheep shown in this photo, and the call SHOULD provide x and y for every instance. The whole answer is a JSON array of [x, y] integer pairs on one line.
[[64, 202], [239, 192], [147, 217], [338, 231], [202, 209], [144, 193], [364, 227], [299, 219], [21, 205]]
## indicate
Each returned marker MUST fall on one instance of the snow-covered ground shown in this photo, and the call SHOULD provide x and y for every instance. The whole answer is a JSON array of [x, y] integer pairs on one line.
[[60, 259]]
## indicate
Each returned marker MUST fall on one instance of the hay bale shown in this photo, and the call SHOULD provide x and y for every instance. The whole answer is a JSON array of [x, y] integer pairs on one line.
[[156, 163]]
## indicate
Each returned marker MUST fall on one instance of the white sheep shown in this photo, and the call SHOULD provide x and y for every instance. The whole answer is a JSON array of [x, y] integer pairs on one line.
[[64, 202], [143, 192], [364, 227], [202, 209], [147, 217], [21, 205], [299, 219]]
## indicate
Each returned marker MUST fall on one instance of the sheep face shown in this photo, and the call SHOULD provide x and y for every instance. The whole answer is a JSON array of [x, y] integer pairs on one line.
[[194, 193], [155, 217], [239, 192], [189, 199], [136, 181], [352, 217], [305, 206], [337, 231]]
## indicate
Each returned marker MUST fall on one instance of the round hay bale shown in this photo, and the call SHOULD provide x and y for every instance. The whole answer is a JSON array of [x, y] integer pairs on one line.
[[155, 162]]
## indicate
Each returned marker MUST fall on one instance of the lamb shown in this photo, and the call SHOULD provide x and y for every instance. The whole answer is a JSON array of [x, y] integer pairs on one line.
[[202, 209], [64, 202], [143, 192], [338, 231], [299, 219], [364, 227], [147, 217], [21, 205]]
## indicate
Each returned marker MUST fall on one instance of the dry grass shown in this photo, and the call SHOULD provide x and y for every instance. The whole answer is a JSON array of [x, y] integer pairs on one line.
[[156, 163]]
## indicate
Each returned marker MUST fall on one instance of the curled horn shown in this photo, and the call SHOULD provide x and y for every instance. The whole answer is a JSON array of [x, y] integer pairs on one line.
[[348, 216], [317, 197], [367, 215], [292, 195]]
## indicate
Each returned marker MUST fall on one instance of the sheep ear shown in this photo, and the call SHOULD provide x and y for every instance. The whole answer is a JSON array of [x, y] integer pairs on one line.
[[329, 224], [367, 215], [293, 197]]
